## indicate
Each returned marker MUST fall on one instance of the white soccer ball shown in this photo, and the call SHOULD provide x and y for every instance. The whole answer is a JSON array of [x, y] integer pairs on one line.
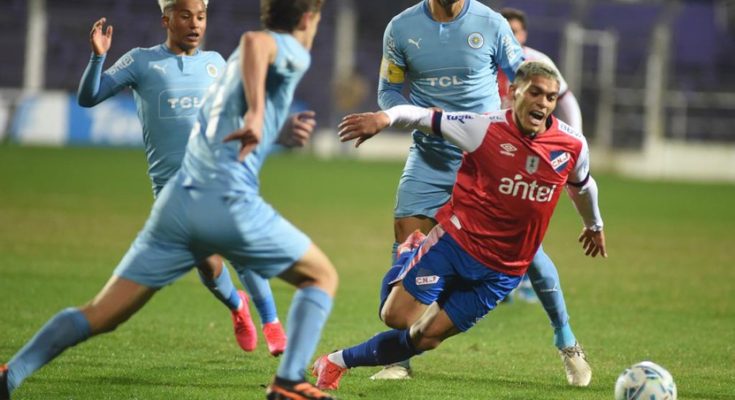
[[645, 381]]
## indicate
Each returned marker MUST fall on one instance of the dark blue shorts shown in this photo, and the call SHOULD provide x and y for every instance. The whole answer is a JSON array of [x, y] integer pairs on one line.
[[441, 271]]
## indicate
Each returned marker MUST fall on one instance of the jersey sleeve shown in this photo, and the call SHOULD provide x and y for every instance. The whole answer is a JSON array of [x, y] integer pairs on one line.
[[392, 71], [463, 129], [580, 174], [95, 87], [509, 54], [125, 70]]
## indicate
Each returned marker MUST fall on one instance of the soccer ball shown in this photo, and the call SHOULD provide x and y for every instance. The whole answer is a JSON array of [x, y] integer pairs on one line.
[[645, 381]]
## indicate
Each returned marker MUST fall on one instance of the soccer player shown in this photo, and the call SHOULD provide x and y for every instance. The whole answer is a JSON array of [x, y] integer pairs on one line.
[[567, 107], [213, 205], [451, 51], [568, 111], [169, 82], [487, 235]]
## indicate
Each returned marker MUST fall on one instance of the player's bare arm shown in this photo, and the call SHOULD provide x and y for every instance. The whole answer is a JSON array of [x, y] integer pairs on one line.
[[585, 201], [100, 39], [593, 242], [257, 52], [362, 126], [298, 129]]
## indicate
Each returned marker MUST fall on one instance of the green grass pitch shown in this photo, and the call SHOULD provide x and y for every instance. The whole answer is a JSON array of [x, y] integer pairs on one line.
[[665, 294]]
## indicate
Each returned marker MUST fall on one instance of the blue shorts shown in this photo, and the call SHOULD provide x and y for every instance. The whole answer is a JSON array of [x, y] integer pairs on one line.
[[428, 177], [189, 224], [441, 271]]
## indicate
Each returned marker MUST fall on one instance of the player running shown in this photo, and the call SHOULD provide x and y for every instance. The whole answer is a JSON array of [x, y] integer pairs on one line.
[[451, 52], [169, 82], [213, 205], [509, 183]]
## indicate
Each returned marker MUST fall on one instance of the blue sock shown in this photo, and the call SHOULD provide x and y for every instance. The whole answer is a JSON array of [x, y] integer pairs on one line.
[[310, 308], [260, 293], [545, 280], [394, 253], [64, 330], [382, 349], [222, 288]]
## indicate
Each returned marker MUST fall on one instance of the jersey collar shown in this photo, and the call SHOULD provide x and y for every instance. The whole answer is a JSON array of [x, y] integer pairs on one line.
[[462, 13]]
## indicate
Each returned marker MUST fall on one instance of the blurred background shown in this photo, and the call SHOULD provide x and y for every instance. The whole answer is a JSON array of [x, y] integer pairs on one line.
[[655, 79]]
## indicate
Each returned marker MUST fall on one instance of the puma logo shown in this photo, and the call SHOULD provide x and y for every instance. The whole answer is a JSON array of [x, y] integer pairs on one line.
[[416, 43], [160, 68]]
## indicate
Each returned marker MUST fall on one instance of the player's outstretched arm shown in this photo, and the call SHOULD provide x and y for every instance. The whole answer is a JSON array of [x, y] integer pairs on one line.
[[593, 242], [257, 52], [463, 129], [362, 126], [94, 87], [100, 39], [585, 201]]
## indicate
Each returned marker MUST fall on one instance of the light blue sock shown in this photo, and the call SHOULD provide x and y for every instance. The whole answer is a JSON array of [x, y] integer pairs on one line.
[[64, 330], [222, 288], [545, 280], [260, 293], [384, 348], [310, 308]]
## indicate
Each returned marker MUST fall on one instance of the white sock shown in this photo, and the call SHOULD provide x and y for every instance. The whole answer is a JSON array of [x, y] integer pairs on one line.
[[337, 358]]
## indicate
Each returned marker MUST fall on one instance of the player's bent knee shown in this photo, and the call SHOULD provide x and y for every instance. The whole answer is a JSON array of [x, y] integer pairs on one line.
[[393, 319], [313, 269]]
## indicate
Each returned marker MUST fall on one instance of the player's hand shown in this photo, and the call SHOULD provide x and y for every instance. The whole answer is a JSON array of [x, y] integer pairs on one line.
[[593, 242], [298, 129], [362, 126], [100, 39], [249, 135]]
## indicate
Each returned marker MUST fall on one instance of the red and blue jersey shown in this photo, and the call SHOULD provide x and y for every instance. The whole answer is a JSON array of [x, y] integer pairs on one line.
[[508, 185]]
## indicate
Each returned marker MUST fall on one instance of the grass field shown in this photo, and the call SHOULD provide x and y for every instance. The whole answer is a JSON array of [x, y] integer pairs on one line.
[[665, 293]]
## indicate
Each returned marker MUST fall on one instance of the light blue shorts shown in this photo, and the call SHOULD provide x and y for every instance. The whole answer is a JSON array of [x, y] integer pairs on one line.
[[428, 178], [188, 224], [441, 271]]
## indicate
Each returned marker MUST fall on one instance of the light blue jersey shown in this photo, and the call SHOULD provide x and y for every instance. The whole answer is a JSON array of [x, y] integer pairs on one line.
[[211, 163], [169, 90], [453, 66], [213, 204]]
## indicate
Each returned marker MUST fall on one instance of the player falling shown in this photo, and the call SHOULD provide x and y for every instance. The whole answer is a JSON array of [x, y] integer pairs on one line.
[[516, 164]]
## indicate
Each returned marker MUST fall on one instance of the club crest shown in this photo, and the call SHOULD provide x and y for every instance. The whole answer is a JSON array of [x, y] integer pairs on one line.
[[532, 164], [475, 40]]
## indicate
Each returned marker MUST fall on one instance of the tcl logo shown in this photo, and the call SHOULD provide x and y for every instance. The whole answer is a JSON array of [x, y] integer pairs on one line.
[[186, 102], [444, 81]]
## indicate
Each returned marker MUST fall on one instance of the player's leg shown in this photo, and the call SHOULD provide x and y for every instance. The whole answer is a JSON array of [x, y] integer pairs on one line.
[[545, 279], [262, 297], [150, 263], [421, 281], [216, 277], [417, 200], [116, 302], [264, 242], [316, 280]]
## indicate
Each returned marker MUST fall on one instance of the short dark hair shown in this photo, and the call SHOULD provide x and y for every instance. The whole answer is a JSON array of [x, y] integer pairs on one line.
[[284, 15], [514, 13]]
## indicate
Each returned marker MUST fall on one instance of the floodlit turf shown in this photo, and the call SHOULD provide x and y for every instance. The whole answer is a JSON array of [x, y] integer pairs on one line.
[[665, 293]]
